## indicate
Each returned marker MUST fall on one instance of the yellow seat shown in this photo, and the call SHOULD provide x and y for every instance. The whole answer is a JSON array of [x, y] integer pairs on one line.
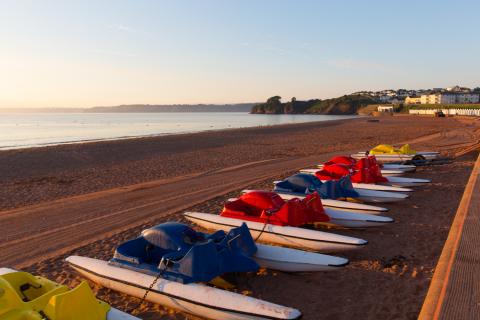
[[26, 297], [388, 149], [76, 304], [405, 149]]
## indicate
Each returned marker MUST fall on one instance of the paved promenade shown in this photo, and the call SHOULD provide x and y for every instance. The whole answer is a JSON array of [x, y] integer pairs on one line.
[[455, 289]]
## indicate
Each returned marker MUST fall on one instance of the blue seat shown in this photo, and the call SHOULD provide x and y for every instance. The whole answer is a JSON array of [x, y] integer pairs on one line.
[[187, 255], [304, 183]]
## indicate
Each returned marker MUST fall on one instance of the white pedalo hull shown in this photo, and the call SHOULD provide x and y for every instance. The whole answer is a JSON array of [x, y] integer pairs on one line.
[[406, 182], [380, 196], [193, 298], [115, 314], [400, 167], [293, 260], [282, 235], [392, 173], [379, 187], [427, 155], [386, 158], [349, 219]]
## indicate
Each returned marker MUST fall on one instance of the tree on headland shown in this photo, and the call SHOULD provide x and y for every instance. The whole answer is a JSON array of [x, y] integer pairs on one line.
[[289, 107], [275, 100], [272, 106]]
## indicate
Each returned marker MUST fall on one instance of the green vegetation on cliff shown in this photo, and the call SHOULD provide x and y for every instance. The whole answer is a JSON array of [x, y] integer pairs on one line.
[[349, 104], [275, 106]]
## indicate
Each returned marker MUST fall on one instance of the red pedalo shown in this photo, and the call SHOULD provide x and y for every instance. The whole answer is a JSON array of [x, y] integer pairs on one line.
[[269, 207], [365, 170]]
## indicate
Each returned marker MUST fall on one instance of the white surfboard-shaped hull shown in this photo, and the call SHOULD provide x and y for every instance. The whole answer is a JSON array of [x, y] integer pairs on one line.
[[400, 167], [193, 298], [336, 204], [406, 182], [398, 157], [113, 314], [281, 235], [375, 196], [368, 186], [397, 168], [386, 158], [6, 271], [429, 153], [348, 219], [379, 187], [392, 173], [293, 260]]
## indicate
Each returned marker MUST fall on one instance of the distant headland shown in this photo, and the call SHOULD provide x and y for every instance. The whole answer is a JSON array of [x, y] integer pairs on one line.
[[142, 108]]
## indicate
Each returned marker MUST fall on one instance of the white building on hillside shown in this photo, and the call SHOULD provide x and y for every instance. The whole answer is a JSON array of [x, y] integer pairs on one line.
[[450, 98], [385, 108], [413, 100]]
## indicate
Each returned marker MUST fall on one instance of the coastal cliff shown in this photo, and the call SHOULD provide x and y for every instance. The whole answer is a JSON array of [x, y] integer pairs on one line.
[[348, 104]]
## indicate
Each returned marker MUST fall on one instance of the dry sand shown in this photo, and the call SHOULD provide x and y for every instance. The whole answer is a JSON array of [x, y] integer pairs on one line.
[[387, 279], [43, 174]]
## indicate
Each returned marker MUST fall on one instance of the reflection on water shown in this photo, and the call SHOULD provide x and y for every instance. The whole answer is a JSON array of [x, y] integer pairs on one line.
[[24, 130]]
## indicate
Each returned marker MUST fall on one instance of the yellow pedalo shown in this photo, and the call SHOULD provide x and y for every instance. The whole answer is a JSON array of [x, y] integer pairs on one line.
[[27, 297]]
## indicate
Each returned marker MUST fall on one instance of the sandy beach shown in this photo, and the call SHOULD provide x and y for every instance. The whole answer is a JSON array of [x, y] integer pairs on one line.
[[85, 199], [30, 176]]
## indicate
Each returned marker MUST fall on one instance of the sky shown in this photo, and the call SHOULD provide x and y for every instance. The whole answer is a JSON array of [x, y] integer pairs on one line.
[[99, 53]]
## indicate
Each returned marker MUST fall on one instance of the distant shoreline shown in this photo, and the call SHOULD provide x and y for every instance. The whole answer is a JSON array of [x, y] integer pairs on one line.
[[134, 133], [140, 108]]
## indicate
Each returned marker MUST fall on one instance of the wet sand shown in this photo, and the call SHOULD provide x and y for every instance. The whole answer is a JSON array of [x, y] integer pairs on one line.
[[387, 279]]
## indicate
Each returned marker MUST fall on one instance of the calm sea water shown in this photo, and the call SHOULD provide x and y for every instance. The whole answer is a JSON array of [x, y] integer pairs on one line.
[[24, 130]]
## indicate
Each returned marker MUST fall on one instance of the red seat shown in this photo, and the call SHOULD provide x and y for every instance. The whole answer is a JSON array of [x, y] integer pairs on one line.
[[269, 207], [365, 170]]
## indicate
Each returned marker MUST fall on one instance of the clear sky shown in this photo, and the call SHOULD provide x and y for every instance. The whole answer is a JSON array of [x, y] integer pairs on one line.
[[86, 53]]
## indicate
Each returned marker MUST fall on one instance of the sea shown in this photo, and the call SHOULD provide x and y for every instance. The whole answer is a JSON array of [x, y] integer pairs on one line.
[[26, 130]]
